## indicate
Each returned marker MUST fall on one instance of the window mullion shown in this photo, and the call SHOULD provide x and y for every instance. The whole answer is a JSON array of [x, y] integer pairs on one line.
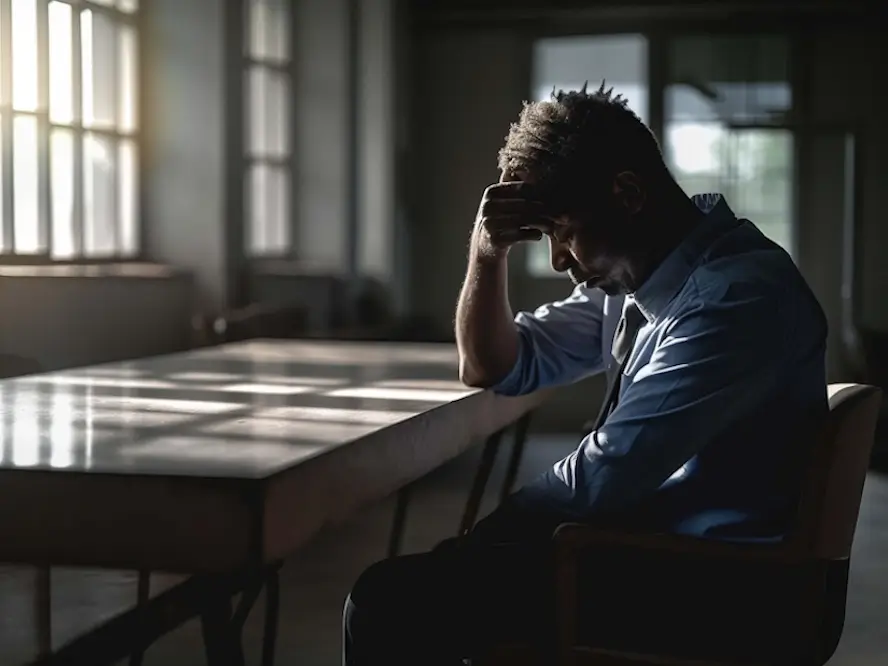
[[77, 87], [44, 198]]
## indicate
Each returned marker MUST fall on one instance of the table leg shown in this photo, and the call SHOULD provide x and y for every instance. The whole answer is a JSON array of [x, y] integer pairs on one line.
[[397, 534], [521, 428], [43, 610], [485, 467], [272, 612], [143, 593], [221, 645]]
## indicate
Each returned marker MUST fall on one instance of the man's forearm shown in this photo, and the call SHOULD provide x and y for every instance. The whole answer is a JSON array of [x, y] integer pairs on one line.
[[485, 329]]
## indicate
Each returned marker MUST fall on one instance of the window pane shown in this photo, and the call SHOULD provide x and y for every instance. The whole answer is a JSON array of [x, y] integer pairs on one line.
[[99, 40], [98, 195], [269, 26], [268, 117], [26, 215], [268, 199], [61, 167], [128, 6], [61, 62], [715, 84], [127, 198], [24, 55], [128, 89]]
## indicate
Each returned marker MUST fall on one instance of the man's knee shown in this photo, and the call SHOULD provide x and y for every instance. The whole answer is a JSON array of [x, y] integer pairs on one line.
[[376, 583]]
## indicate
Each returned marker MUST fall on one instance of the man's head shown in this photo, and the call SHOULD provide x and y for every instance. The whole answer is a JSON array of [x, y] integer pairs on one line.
[[600, 172]]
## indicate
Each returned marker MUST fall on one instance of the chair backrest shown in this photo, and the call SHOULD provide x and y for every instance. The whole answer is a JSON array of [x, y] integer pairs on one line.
[[831, 498]]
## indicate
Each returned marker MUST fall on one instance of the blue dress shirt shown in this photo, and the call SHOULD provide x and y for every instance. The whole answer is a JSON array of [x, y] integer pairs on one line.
[[726, 376]]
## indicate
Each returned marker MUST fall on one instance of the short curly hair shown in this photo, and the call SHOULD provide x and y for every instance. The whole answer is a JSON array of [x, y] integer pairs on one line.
[[577, 141]]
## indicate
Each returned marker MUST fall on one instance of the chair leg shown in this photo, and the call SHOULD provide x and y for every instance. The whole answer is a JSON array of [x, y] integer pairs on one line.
[[521, 428], [485, 467]]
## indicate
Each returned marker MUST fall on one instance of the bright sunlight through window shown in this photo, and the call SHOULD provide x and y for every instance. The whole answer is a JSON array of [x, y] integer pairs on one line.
[[69, 129]]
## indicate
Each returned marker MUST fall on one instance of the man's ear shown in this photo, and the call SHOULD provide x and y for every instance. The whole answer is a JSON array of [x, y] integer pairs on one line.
[[629, 191]]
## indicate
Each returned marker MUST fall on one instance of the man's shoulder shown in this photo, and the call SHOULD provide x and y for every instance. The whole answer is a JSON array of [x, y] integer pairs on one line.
[[759, 287]]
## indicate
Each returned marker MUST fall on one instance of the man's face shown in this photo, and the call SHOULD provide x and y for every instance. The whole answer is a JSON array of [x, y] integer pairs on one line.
[[595, 245]]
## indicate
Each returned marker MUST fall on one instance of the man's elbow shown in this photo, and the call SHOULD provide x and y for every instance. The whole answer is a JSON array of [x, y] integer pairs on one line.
[[475, 377], [472, 377]]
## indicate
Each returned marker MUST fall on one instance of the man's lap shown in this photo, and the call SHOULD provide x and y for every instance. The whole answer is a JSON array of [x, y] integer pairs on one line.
[[497, 586]]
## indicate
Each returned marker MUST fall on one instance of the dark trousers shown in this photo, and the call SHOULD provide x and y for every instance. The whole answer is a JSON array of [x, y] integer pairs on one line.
[[497, 587]]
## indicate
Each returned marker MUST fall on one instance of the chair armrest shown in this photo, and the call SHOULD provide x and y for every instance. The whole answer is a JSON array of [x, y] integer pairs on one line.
[[571, 537]]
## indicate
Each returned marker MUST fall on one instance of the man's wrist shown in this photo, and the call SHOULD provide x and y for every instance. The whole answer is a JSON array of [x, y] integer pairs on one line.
[[483, 251]]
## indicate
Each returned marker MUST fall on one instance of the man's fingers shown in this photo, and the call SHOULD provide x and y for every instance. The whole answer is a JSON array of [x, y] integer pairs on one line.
[[492, 207], [515, 189], [516, 221], [510, 236]]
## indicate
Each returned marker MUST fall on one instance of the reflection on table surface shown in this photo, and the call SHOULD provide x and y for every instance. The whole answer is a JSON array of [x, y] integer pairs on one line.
[[245, 410]]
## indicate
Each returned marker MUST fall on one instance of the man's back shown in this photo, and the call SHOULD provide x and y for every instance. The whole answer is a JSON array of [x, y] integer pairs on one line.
[[725, 376]]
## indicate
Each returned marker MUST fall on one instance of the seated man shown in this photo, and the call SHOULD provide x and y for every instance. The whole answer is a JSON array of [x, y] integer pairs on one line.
[[715, 350]]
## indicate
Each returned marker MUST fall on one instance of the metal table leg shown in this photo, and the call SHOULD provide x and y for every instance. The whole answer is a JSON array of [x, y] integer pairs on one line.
[[521, 428], [488, 458], [397, 534]]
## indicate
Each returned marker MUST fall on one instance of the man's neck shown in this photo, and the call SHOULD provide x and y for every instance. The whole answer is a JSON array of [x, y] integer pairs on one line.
[[675, 218]]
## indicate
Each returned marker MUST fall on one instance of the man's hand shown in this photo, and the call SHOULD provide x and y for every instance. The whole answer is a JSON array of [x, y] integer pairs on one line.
[[508, 214]]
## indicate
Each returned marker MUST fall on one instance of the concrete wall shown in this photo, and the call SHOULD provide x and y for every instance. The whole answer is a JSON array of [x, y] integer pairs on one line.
[[183, 167]]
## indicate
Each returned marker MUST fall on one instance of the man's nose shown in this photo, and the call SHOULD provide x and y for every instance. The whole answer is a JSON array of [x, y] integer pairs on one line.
[[560, 255]]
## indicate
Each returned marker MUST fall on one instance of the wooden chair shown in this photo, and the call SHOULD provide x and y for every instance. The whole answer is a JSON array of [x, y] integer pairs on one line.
[[821, 539]]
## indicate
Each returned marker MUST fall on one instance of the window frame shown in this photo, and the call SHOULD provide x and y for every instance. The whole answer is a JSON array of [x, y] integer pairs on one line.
[[246, 159], [78, 129]]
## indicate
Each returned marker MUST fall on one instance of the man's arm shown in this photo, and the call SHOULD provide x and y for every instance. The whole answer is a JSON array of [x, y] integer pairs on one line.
[[486, 335], [559, 343], [715, 367]]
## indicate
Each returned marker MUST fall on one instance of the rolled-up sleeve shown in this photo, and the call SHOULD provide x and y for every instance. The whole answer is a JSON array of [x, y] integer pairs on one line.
[[560, 343]]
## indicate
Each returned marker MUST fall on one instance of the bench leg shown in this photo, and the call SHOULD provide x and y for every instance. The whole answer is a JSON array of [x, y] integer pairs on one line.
[[521, 428], [476, 494], [397, 534]]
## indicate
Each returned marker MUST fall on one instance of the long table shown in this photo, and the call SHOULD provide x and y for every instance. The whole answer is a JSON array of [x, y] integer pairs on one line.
[[221, 462]]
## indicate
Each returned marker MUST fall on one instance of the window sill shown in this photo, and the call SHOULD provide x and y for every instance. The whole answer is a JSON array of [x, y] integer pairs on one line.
[[133, 270]]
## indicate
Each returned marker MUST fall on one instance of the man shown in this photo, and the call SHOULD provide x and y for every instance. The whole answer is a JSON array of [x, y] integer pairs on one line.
[[717, 369]]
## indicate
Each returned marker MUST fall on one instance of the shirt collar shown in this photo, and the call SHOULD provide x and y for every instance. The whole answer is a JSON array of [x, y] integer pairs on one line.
[[669, 277]]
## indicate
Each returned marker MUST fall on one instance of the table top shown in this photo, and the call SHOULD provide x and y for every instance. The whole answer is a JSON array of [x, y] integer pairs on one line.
[[229, 442], [246, 410]]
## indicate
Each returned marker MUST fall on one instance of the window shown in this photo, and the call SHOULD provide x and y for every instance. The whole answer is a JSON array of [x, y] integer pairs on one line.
[[267, 90], [726, 100], [567, 63], [69, 129]]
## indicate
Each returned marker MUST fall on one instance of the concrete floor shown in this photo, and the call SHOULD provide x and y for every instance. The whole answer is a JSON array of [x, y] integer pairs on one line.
[[315, 581]]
